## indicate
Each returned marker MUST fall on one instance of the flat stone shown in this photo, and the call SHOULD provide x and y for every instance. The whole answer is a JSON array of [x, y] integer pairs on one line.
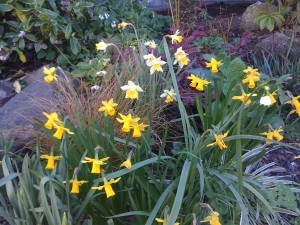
[[251, 12], [17, 115], [277, 44]]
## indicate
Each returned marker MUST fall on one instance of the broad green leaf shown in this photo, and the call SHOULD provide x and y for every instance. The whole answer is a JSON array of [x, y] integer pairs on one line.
[[68, 31], [6, 8]]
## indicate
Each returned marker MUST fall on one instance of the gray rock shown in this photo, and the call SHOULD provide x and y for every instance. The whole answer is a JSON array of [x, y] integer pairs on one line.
[[6, 91], [251, 12], [17, 115], [277, 44]]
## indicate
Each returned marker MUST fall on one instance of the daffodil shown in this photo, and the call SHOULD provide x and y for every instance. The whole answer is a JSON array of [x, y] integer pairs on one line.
[[96, 162], [273, 134], [149, 59], [122, 25], [219, 140], [214, 64], [128, 122], [50, 160], [170, 95], [60, 131], [244, 97], [108, 107], [159, 220], [127, 162], [137, 128], [52, 119], [297, 157], [296, 104], [102, 46], [213, 218], [51, 75], [150, 44], [75, 185], [107, 186], [131, 90], [252, 76], [176, 38], [156, 64], [181, 57], [197, 82]]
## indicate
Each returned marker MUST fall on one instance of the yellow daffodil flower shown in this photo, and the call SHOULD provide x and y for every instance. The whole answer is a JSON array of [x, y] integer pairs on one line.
[[137, 128], [128, 122], [131, 90], [170, 95], [96, 162], [213, 218], [122, 25], [219, 141], [181, 57], [127, 163], [51, 75], [108, 107], [297, 157], [52, 119], [75, 185], [107, 187], [50, 160], [296, 104], [252, 76], [60, 131], [159, 220], [214, 64], [176, 38], [251, 71], [273, 134], [197, 82], [244, 97], [150, 44], [156, 64], [102, 46]]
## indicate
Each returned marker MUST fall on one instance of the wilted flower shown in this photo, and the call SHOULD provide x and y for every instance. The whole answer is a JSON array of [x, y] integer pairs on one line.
[[102, 46], [122, 25], [150, 44], [219, 140], [170, 95]]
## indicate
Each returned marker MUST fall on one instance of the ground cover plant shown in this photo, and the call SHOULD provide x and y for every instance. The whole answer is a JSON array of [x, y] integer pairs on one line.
[[105, 160]]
